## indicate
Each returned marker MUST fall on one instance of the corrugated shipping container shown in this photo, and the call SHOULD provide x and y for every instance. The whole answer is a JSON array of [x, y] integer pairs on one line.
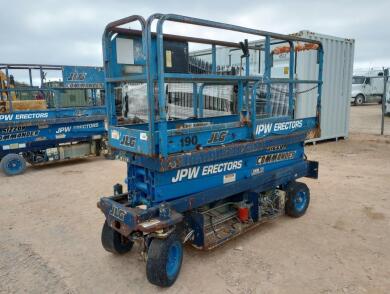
[[337, 77], [336, 90]]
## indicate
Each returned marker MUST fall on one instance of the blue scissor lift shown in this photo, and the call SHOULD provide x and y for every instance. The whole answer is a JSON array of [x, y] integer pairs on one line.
[[45, 121], [202, 176]]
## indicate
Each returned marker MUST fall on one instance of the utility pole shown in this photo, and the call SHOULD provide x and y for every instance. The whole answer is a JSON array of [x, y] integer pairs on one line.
[[386, 78]]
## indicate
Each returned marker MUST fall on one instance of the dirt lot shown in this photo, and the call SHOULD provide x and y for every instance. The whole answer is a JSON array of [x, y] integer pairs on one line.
[[50, 232], [367, 119]]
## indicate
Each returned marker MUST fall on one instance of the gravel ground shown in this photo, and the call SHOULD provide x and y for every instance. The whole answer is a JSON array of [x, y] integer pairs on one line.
[[366, 119], [50, 231]]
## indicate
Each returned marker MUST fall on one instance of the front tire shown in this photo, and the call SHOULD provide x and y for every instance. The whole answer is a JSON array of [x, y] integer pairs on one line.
[[165, 257], [13, 164], [114, 242], [359, 100], [298, 199]]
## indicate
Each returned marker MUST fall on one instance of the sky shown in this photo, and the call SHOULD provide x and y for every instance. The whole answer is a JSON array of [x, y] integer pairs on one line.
[[69, 32]]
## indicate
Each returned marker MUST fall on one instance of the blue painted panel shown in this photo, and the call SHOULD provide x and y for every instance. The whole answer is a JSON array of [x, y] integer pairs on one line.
[[216, 135], [186, 159], [184, 181], [129, 139], [191, 139], [42, 116], [257, 183], [19, 138], [35, 130], [278, 126], [83, 77]]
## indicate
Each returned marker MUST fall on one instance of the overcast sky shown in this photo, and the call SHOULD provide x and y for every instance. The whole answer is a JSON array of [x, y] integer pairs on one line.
[[69, 32]]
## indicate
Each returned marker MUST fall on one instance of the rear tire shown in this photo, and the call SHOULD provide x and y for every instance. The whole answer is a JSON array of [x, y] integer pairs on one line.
[[298, 199], [114, 242], [165, 257], [359, 100], [13, 164]]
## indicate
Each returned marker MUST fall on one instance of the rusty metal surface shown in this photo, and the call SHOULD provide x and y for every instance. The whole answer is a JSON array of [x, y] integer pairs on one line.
[[183, 159], [247, 228], [313, 134], [216, 153], [144, 220]]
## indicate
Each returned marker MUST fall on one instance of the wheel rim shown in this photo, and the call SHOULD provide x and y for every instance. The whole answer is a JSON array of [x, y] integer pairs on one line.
[[359, 100], [300, 201], [14, 165], [174, 257]]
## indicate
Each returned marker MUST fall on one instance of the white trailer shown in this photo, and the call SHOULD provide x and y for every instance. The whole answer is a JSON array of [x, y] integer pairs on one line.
[[337, 77]]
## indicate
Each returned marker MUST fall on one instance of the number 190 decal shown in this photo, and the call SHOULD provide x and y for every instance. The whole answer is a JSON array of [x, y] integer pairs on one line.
[[189, 140]]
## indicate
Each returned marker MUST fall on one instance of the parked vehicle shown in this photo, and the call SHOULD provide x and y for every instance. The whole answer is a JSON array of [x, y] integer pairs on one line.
[[53, 120], [196, 176], [367, 88]]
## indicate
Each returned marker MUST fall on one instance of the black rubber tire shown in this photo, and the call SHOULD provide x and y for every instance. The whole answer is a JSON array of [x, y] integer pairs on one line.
[[110, 156], [114, 242], [8, 159], [359, 100], [156, 265], [293, 191]]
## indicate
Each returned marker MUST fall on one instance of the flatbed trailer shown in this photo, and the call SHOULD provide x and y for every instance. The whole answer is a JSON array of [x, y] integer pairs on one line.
[[52, 120], [216, 170]]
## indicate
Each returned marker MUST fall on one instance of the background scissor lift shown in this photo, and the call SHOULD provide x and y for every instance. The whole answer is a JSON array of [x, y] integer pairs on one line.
[[50, 113]]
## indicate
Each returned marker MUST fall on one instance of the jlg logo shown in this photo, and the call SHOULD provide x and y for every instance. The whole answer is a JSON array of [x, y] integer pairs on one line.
[[217, 137], [118, 213], [128, 141], [75, 76]]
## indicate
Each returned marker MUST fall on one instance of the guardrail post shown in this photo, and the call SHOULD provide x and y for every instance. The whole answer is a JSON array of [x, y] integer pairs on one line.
[[267, 74], [320, 58], [291, 101], [385, 78]]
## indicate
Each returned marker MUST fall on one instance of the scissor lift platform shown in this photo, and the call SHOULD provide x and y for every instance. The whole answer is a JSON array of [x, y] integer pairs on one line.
[[222, 167]]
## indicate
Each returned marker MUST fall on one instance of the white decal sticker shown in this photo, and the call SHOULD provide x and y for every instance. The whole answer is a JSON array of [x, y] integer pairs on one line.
[[193, 172], [149, 223], [267, 128], [87, 126], [63, 130], [115, 135], [257, 171], [143, 136], [23, 116], [229, 178]]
